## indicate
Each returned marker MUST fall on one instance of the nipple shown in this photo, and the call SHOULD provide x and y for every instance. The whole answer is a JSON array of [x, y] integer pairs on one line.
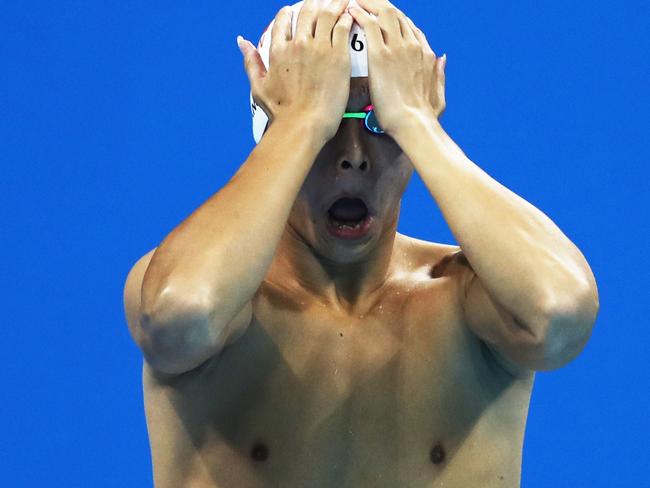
[[437, 454], [259, 451]]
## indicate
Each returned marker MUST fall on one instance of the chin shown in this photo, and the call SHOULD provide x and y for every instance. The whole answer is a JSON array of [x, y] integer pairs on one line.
[[344, 250]]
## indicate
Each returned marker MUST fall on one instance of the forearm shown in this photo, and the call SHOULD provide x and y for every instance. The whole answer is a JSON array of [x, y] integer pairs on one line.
[[216, 259], [522, 258]]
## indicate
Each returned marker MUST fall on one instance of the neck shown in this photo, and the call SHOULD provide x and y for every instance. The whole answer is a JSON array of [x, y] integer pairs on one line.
[[341, 285]]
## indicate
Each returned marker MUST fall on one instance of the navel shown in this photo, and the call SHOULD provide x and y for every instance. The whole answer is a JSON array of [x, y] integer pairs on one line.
[[259, 451], [437, 454]]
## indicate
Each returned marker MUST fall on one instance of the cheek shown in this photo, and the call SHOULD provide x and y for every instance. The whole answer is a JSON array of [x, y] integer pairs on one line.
[[306, 207], [393, 182]]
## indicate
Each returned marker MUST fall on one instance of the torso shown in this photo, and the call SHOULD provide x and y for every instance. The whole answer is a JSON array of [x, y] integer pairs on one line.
[[404, 395]]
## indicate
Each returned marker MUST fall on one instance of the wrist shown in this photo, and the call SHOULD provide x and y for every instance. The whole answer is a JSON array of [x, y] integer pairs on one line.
[[310, 125], [309, 129], [416, 122]]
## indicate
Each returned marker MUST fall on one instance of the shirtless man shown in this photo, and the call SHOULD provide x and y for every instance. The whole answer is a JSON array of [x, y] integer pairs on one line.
[[282, 350]]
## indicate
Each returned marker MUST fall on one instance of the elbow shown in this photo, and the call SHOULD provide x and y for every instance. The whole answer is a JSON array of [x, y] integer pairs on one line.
[[567, 330], [178, 335]]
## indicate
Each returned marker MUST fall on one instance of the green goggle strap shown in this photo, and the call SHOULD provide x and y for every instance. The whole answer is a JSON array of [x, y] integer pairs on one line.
[[354, 115], [359, 115]]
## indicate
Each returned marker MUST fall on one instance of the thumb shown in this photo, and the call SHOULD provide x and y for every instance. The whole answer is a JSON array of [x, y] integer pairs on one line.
[[253, 63]]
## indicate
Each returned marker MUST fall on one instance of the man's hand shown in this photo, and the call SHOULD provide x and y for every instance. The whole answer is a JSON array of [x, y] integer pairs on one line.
[[405, 76], [309, 75]]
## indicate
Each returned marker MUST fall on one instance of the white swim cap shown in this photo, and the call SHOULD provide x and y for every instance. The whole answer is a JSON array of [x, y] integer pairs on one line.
[[358, 56]]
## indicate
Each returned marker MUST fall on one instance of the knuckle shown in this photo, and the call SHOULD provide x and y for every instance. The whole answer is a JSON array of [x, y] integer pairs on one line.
[[300, 43], [341, 26], [307, 9], [388, 10], [410, 51], [286, 10], [328, 15], [381, 52], [332, 9]]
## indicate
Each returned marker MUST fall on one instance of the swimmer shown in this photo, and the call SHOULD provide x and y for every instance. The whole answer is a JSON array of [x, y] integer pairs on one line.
[[293, 338]]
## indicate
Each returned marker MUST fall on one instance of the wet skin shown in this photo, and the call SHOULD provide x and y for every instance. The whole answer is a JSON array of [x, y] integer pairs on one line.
[[357, 368]]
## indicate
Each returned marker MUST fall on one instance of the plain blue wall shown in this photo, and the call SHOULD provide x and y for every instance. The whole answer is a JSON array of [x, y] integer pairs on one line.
[[120, 118]]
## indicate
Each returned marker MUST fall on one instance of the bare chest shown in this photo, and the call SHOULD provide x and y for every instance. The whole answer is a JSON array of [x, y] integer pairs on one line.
[[400, 395]]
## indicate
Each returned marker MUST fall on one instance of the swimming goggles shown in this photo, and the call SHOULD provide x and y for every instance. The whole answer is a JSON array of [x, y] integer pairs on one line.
[[370, 120]]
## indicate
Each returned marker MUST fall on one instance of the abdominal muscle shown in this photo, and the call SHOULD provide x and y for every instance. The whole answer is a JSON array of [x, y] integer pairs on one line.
[[402, 396]]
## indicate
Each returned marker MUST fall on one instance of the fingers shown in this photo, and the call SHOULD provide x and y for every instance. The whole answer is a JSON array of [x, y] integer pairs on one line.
[[327, 18], [281, 31], [341, 33], [387, 16], [440, 84], [407, 30], [369, 25], [441, 64], [422, 39], [306, 20], [253, 64], [392, 21], [375, 6]]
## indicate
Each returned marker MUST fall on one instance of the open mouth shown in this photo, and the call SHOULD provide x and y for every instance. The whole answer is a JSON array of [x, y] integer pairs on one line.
[[349, 218]]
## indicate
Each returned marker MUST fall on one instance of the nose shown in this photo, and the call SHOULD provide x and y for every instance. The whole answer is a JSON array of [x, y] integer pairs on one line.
[[356, 164], [353, 157]]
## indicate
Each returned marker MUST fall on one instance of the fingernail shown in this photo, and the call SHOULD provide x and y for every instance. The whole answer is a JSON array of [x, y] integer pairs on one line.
[[239, 42]]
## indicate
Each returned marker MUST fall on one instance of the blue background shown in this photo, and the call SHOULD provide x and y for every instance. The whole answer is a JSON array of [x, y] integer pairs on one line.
[[120, 118]]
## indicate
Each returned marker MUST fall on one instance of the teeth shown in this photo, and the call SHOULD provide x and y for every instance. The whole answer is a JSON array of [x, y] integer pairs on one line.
[[356, 226]]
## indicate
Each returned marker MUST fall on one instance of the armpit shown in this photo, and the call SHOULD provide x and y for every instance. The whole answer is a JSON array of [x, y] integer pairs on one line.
[[449, 263]]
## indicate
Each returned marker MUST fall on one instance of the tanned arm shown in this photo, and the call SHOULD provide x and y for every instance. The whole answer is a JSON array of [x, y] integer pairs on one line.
[[199, 282], [208, 268]]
